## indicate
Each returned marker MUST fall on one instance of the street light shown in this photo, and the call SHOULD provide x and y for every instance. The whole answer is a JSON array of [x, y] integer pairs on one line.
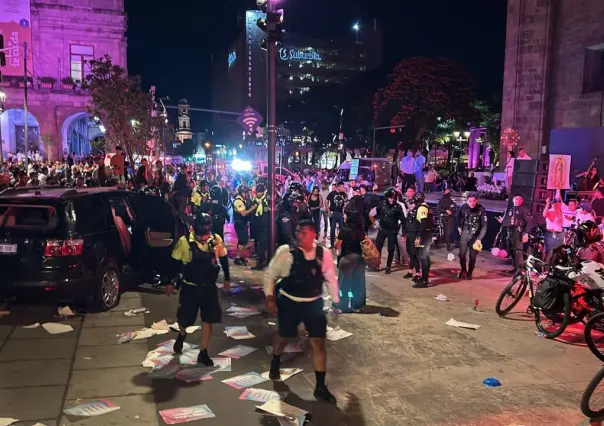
[[356, 27], [466, 135]]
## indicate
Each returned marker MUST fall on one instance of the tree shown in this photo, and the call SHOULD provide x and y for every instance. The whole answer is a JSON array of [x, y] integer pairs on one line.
[[121, 105], [491, 119], [419, 91], [98, 145]]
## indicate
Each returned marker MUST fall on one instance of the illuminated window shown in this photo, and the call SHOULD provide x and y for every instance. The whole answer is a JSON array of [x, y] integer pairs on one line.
[[80, 56]]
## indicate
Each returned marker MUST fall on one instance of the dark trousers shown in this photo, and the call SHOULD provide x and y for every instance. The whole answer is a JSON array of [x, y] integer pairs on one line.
[[382, 235], [180, 203], [336, 218], [262, 246], [465, 243], [516, 246], [316, 218], [408, 180], [412, 252], [448, 230], [423, 255]]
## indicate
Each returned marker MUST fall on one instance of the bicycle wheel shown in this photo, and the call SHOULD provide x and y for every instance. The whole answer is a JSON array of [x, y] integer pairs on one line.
[[593, 409], [594, 335], [512, 293], [553, 325]]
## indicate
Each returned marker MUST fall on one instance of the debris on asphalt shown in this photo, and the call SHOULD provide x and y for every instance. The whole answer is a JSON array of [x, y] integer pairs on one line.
[[39, 424], [242, 315], [245, 380], [193, 374], [290, 348], [286, 373], [135, 312], [238, 332], [160, 325], [491, 382], [87, 357], [476, 302], [96, 407], [460, 324], [238, 351], [186, 414], [239, 309], [166, 371], [34, 325], [5, 421], [56, 328], [126, 337], [271, 323], [337, 334], [262, 395], [145, 333], [65, 311], [442, 298], [540, 334], [189, 330], [282, 410]]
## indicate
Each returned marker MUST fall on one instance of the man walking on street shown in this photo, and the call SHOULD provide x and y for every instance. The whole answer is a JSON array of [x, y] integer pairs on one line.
[[335, 208], [418, 170], [299, 272], [408, 169]]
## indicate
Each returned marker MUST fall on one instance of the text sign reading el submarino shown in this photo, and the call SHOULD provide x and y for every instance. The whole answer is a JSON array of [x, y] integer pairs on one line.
[[286, 54]]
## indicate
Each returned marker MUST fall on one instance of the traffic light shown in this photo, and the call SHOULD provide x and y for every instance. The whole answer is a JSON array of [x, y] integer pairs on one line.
[[2, 54], [272, 25]]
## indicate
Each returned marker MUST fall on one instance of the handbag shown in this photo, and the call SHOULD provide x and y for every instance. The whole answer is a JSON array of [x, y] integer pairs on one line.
[[371, 254]]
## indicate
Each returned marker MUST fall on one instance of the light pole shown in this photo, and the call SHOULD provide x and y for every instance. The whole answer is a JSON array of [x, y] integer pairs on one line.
[[356, 28], [2, 100], [271, 123]]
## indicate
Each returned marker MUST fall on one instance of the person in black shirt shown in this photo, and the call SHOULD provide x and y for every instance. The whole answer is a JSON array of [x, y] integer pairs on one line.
[[336, 201], [472, 224], [351, 276], [516, 223], [181, 191], [391, 215], [597, 205], [447, 208], [315, 203]]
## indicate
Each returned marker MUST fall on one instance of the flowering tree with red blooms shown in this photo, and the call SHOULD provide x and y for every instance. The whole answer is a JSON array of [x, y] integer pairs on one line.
[[420, 90]]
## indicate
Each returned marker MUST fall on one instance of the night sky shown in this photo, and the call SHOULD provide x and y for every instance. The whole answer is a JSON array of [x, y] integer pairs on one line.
[[170, 43]]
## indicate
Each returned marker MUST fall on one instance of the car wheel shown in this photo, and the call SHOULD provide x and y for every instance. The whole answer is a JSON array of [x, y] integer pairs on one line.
[[108, 289]]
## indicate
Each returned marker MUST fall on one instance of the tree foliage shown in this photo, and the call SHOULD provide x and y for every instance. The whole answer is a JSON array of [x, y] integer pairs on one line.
[[121, 105], [419, 91]]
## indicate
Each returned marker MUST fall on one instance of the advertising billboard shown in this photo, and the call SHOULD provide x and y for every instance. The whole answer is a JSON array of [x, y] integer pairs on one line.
[[15, 26]]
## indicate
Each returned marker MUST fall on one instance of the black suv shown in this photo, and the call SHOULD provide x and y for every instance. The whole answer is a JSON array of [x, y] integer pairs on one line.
[[87, 244]]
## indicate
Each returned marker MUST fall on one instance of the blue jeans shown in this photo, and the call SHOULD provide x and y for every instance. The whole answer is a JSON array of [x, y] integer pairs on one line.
[[336, 218], [419, 181]]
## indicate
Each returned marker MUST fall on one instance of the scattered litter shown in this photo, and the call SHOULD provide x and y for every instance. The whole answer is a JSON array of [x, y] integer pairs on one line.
[[5, 421], [186, 414], [540, 334], [441, 297], [242, 315], [460, 324], [234, 308], [282, 410], [167, 371], [65, 311], [34, 325], [476, 302], [450, 257], [127, 336], [238, 333], [245, 380], [56, 328], [223, 364], [92, 408], [238, 351], [491, 382], [167, 347], [271, 323], [87, 357], [136, 417], [39, 424], [335, 335], [135, 312], [145, 333], [195, 374], [290, 348], [286, 373], [189, 330], [161, 325], [262, 395]]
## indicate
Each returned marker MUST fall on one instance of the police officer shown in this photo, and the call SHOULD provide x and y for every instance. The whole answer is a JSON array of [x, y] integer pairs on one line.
[[197, 256], [472, 227], [356, 206], [371, 201], [391, 215], [300, 271], [261, 220], [447, 209], [214, 207], [242, 209], [410, 228], [516, 222], [287, 218], [423, 237], [303, 211]]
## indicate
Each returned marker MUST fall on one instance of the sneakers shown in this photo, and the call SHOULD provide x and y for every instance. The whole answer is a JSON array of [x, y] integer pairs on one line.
[[178, 343], [275, 375], [204, 358], [469, 275], [388, 270], [323, 394], [238, 261], [421, 284], [461, 275], [408, 275], [416, 279]]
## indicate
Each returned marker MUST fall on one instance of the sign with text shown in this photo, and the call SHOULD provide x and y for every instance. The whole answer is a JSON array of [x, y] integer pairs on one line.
[[288, 54], [15, 26], [250, 119]]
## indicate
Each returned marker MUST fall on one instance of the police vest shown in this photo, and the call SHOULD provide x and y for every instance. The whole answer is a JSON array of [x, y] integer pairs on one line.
[[411, 224], [239, 218], [202, 269], [305, 277]]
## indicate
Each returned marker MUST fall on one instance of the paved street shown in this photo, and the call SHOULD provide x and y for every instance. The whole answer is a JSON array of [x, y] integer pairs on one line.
[[401, 366]]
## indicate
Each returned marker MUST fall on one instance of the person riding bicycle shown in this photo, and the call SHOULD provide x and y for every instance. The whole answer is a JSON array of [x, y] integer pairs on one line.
[[589, 239]]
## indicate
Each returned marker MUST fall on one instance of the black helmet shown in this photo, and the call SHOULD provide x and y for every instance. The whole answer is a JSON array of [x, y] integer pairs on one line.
[[561, 256], [588, 233], [216, 192], [290, 199], [260, 187], [203, 183], [390, 192], [297, 187], [243, 188], [202, 224], [418, 198]]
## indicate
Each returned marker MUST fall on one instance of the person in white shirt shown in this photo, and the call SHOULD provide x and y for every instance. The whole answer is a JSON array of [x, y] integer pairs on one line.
[[408, 170], [324, 192], [418, 170], [584, 214], [509, 169], [522, 155], [299, 273], [554, 237], [569, 212]]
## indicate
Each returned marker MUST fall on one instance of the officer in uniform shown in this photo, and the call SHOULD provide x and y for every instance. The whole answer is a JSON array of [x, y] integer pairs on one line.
[[261, 220], [287, 219], [303, 211], [391, 215], [196, 257], [299, 271], [516, 222], [410, 227], [472, 227], [423, 237], [371, 201], [447, 208], [215, 208], [242, 209], [356, 206]]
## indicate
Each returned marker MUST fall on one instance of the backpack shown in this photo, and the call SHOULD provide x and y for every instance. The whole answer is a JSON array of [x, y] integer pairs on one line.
[[549, 295], [371, 254]]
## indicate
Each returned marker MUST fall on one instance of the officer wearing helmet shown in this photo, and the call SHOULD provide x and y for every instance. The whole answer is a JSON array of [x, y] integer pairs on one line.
[[589, 239], [287, 218], [260, 221], [390, 214], [214, 207], [472, 226], [303, 211], [196, 257], [242, 210], [423, 237]]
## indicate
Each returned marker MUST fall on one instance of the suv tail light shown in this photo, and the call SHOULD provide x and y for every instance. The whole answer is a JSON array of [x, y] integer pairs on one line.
[[58, 248]]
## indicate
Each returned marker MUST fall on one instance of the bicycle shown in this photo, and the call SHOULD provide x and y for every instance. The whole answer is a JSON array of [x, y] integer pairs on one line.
[[586, 406], [518, 286]]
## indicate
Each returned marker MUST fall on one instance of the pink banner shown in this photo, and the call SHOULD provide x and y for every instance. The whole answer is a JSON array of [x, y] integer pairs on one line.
[[15, 26]]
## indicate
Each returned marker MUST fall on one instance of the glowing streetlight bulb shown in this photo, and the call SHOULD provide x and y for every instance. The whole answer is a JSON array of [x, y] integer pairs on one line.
[[356, 27]]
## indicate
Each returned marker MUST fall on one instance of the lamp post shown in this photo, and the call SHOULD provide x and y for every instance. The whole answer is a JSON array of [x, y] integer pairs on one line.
[[356, 28], [2, 100]]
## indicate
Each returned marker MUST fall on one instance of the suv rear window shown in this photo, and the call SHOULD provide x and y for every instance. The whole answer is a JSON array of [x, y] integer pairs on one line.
[[28, 217]]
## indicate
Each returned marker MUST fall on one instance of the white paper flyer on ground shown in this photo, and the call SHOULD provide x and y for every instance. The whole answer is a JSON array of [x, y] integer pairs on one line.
[[335, 335], [167, 371], [286, 373], [460, 324], [238, 332], [238, 351], [175, 416], [194, 374], [282, 409], [96, 407], [6, 421], [245, 380], [56, 328], [261, 395]]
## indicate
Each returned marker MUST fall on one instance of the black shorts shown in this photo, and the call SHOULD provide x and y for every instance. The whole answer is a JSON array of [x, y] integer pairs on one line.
[[242, 231], [202, 299], [290, 314]]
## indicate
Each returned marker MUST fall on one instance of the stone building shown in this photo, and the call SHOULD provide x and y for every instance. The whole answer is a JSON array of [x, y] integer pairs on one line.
[[64, 35], [553, 90]]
